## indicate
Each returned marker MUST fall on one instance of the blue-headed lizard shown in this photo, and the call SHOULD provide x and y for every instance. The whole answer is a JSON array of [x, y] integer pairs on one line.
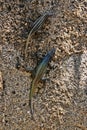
[[40, 70]]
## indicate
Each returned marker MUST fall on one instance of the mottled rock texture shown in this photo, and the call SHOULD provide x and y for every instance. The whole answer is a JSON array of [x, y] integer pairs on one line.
[[61, 103]]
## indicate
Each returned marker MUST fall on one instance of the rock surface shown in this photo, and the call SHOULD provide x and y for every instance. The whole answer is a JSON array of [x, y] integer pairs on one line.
[[61, 103]]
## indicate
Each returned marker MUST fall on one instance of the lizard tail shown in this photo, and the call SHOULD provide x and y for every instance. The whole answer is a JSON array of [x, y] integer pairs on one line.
[[27, 45], [31, 109]]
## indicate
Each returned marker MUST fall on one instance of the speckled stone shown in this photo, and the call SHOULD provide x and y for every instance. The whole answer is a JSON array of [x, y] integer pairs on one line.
[[61, 104]]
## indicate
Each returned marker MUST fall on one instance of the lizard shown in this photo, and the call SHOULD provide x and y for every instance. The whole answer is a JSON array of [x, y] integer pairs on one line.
[[40, 70], [37, 25]]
